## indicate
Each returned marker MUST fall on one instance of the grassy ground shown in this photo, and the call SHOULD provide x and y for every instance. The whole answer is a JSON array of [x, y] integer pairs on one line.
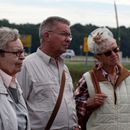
[[77, 71]]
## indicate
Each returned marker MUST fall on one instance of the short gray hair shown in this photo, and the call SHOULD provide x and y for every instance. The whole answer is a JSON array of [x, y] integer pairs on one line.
[[50, 22], [7, 35]]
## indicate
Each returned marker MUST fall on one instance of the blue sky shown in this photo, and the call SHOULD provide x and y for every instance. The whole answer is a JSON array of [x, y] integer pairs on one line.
[[97, 12]]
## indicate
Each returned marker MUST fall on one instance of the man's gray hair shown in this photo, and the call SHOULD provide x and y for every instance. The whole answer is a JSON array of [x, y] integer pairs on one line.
[[49, 23], [7, 35]]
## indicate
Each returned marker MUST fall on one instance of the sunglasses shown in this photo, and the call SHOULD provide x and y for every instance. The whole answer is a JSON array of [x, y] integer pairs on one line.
[[109, 53]]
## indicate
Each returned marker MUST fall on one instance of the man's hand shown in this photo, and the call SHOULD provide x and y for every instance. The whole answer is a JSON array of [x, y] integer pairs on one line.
[[77, 127]]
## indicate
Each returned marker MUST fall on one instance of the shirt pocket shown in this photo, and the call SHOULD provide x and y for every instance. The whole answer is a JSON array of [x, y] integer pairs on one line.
[[41, 96]]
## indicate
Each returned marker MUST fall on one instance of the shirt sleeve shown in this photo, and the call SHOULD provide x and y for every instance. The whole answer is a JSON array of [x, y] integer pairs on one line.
[[24, 80], [81, 96], [1, 124]]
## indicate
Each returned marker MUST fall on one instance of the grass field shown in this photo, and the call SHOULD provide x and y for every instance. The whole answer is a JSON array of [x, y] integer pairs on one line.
[[77, 66], [77, 70]]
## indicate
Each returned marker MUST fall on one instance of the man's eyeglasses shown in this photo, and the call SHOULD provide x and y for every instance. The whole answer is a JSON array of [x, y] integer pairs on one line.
[[65, 34], [109, 53], [17, 53]]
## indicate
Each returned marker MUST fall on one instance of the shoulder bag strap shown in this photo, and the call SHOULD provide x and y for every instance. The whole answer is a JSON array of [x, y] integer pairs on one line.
[[95, 82], [58, 103]]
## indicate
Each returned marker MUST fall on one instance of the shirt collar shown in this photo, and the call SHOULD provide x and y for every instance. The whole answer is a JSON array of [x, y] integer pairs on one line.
[[99, 67], [106, 74], [6, 78], [47, 59]]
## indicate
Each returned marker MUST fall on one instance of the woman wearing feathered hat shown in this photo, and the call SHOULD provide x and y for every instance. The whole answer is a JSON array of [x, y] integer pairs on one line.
[[103, 94]]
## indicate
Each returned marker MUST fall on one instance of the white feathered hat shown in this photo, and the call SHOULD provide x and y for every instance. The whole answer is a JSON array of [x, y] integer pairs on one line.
[[99, 39]]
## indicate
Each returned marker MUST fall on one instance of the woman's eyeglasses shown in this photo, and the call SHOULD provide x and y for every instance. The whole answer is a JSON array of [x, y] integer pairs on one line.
[[109, 53], [17, 53]]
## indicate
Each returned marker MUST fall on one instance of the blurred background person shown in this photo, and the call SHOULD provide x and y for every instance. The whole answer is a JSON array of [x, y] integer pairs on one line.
[[41, 78], [13, 111], [103, 94]]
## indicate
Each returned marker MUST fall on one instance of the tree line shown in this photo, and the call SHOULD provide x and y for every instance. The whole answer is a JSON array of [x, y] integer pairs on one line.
[[121, 34]]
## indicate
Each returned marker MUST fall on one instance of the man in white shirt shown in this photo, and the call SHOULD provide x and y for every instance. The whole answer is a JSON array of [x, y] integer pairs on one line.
[[41, 78]]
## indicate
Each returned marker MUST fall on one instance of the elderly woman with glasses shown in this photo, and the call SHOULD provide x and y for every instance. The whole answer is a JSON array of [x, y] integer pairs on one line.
[[13, 111], [103, 94]]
